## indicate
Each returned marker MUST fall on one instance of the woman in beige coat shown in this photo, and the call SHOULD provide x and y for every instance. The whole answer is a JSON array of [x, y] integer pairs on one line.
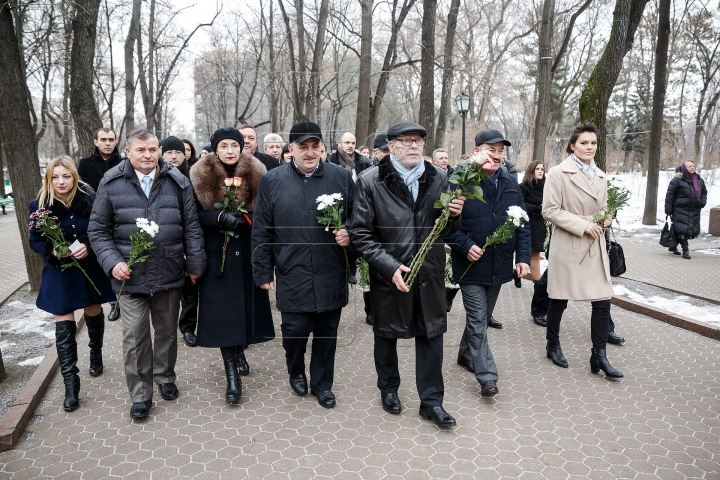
[[576, 191]]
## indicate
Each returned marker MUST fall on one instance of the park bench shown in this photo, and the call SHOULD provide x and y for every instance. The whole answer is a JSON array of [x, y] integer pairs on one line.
[[7, 200]]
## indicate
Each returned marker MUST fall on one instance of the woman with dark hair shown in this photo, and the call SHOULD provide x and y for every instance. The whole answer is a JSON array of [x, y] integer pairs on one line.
[[286, 155], [686, 196], [232, 311], [190, 156], [532, 191], [62, 291], [576, 191]]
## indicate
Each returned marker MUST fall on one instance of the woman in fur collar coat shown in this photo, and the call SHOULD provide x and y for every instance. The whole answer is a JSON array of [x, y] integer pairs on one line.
[[232, 311], [64, 291]]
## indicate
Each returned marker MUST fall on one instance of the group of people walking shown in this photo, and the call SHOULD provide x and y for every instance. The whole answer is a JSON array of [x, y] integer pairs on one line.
[[219, 253]]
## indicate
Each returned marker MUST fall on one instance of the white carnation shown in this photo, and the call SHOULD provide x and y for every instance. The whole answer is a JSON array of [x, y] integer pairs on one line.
[[517, 213]]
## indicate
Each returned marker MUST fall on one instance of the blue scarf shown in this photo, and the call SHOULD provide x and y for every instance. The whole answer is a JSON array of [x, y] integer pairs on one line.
[[410, 177]]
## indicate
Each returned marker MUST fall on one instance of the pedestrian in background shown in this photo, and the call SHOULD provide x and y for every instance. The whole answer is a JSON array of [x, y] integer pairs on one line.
[[64, 291], [532, 191], [686, 196]]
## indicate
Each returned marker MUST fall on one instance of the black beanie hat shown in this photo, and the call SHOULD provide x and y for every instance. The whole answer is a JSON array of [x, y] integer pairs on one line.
[[226, 133], [172, 143]]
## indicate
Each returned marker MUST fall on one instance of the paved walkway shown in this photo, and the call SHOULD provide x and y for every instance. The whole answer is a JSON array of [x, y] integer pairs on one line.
[[661, 421], [13, 273]]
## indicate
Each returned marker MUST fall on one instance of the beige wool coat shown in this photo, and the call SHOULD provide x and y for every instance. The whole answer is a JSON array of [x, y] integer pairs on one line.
[[570, 203]]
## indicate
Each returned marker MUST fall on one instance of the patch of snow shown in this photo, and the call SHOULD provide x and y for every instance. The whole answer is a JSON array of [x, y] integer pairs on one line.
[[35, 361], [678, 305], [21, 305], [709, 251], [5, 344], [32, 321]]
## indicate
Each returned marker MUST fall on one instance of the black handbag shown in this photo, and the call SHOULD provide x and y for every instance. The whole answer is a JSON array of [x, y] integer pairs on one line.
[[667, 237], [617, 258]]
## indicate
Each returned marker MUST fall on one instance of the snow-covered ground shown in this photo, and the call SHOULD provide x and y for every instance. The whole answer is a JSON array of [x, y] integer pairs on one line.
[[675, 303]]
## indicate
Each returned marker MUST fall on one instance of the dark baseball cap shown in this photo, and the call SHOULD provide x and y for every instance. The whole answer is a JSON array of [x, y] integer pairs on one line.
[[490, 136], [405, 128], [301, 131], [380, 142]]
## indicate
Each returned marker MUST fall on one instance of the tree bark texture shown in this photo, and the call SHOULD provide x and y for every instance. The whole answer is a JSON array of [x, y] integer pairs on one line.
[[313, 90], [427, 72], [596, 94], [19, 140], [448, 74], [132, 37], [544, 81], [656, 123], [2, 163], [362, 117]]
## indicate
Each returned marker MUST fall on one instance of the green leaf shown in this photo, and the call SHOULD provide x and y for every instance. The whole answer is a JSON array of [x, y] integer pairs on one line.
[[478, 193], [218, 206], [438, 204]]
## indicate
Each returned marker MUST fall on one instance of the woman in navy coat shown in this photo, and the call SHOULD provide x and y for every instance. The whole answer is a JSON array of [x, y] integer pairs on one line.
[[64, 291]]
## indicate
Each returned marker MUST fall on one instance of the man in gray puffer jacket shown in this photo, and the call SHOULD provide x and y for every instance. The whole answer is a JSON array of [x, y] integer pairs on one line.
[[145, 186]]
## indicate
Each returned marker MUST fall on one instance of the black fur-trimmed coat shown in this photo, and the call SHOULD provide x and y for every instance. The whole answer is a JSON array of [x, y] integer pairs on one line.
[[388, 228], [232, 311], [683, 205], [64, 291]]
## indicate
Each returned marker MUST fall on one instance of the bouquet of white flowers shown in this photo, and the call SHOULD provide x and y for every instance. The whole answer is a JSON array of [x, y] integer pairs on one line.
[[331, 217], [140, 241]]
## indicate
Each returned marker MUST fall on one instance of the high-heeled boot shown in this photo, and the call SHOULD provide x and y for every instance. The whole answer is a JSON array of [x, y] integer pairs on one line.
[[599, 361], [242, 364], [555, 353], [234, 384], [67, 357], [96, 330]]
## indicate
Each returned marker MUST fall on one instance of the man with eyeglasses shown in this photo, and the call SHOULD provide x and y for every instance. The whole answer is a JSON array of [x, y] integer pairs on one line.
[[394, 213], [348, 158]]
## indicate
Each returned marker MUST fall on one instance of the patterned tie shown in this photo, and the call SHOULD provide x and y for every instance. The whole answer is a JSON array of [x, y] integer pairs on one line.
[[146, 180]]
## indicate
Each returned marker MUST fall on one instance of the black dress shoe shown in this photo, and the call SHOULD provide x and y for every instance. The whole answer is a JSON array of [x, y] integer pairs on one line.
[[352, 279], [299, 384], [540, 320], [114, 312], [190, 339], [326, 399], [449, 306], [488, 389], [466, 362], [242, 363], [674, 250], [518, 283], [368, 318], [615, 339], [438, 415], [391, 403], [492, 323], [140, 409], [555, 353], [169, 391]]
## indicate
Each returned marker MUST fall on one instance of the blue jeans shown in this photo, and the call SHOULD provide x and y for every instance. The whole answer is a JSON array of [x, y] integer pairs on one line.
[[478, 300]]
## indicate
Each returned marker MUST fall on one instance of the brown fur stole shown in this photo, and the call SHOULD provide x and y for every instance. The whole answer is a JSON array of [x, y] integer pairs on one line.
[[208, 179]]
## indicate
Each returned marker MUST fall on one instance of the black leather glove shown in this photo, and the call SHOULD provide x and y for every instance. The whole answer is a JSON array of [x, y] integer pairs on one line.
[[231, 221]]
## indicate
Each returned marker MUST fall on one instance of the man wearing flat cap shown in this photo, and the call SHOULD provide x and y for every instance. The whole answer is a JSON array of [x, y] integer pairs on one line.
[[393, 215], [304, 258], [380, 148]]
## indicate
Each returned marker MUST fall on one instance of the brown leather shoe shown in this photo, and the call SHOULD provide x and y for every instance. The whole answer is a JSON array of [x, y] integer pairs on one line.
[[467, 363], [489, 389]]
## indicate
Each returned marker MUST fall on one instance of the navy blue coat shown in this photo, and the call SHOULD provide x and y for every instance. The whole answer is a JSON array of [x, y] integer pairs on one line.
[[479, 221], [63, 292]]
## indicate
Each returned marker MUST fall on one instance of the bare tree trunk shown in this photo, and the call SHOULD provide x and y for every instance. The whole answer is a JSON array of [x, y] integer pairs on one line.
[[362, 116], [274, 124], [448, 74], [544, 81], [311, 100], [596, 94], [82, 102], [296, 82], [16, 130], [2, 171], [427, 72], [132, 37]]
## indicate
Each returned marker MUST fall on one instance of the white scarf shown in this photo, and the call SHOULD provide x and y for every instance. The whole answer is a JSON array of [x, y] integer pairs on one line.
[[588, 170]]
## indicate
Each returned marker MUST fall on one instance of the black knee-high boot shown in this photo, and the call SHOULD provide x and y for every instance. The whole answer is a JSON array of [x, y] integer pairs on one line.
[[67, 356], [96, 330]]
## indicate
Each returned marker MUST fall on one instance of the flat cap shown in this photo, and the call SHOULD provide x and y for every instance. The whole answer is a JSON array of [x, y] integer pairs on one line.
[[301, 131], [380, 142], [490, 136], [405, 128]]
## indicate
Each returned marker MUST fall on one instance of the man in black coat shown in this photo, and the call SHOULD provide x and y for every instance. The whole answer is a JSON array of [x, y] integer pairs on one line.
[[145, 186], [251, 148], [91, 170], [307, 260], [393, 215], [348, 158]]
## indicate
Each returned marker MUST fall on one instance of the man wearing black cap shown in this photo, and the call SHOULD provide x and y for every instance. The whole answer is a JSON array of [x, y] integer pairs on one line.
[[380, 147], [306, 259], [393, 216], [494, 142]]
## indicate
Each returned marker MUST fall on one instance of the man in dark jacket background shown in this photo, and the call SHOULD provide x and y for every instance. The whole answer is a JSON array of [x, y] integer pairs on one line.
[[348, 158], [144, 186], [251, 147], [393, 215], [307, 261], [481, 284]]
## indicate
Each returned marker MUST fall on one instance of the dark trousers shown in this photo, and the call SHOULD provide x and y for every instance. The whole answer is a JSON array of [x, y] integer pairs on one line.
[[296, 329], [541, 301], [428, 368], [189, 303], [599, 320], [367, 300]]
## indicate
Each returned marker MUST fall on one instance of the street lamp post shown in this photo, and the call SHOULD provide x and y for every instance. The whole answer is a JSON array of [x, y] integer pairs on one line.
[[462, 102]]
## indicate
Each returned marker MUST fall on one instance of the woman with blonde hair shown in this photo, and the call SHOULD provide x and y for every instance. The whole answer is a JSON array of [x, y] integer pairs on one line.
[[62, 291]]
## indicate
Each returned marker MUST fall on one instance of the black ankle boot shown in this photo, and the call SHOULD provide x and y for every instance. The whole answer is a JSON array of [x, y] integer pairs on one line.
[[234, 385], [67, 356], [555, 353], [96, 330], [242, 364], [599, 361], [686, 252]]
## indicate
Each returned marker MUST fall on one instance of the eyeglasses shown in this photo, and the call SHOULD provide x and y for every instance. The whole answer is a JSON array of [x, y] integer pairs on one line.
[[234, 146], [407, 142]]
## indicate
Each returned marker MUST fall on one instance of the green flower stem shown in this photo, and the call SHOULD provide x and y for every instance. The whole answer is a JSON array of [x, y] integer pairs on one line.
[[77, 264], [227, 240], [419, 257]]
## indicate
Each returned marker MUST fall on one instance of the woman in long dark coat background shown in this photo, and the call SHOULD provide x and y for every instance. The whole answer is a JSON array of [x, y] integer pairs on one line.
[[232, 311], [686, 196], [532, 191], [64, 291]]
